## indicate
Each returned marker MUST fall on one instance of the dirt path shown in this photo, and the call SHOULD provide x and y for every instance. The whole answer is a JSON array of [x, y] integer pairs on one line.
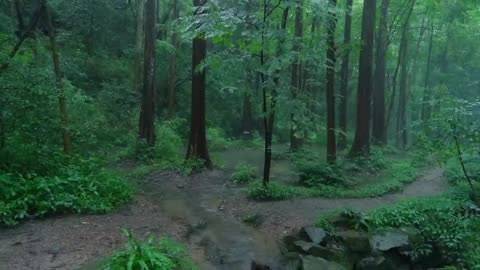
[[284, 216], [203, 211]]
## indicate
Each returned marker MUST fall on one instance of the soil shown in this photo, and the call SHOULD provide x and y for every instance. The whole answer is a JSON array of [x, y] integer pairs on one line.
[[203, 211]]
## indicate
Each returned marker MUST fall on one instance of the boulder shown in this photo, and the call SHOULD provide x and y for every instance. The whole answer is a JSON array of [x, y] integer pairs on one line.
[[355, 241], [374, 263], [289, 243], [399, 239], [314, 235], [317, 263], [302, 246], [381, 263]]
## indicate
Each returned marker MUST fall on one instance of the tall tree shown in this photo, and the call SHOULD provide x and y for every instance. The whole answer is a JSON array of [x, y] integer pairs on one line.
[[173, 63], [379, 132], [361, 143], [342, 136], [147, 114], [269, 105], [427, 93], [197, 147], [139, 46], [330, 87], [67, 144], [296, 87], [402, 101]]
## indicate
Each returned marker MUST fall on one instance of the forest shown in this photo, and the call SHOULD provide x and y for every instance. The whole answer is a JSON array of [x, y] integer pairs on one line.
[[239, 134]]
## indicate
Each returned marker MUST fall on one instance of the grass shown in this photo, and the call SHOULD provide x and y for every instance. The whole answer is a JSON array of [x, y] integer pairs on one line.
[[397, 176]]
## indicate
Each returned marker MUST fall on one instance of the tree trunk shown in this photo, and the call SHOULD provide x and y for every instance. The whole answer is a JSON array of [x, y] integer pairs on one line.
[[379, 133], [342, 136], [330, 81], [139, 46], [173, 65], [402, 104], [147, 114], [427, 93], [197, 148], [361, 144], [67, 144], [394, 79], [295, 140], [269, 111], [247, 118]]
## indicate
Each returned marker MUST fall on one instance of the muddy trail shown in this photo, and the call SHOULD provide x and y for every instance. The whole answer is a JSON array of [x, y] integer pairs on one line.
[[203, 211]]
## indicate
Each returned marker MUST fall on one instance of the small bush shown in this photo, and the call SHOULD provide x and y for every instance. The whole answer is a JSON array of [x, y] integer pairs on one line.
[[244, 173], [372, 164], [217, 139], [273, 192], [164, 254]]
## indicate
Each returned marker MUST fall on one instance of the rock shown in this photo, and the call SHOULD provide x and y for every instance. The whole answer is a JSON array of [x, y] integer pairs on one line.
[[317, 263], [394, 239], [302, 246], [355, 241], [375, 263], [257, 266], [289, 243], [313, 234], [328, 253], [292, 261]]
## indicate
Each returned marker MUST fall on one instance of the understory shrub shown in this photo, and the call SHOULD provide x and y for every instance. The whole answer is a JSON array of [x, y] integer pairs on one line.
[[83, 187], [244, 173], [396, 177], [164, 254]]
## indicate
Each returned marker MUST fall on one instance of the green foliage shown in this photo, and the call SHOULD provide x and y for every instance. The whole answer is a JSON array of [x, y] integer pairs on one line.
[[82, 187], [164, 254], [396, 177], [449, 230], [244, 173], [372, 164], [217, 140]]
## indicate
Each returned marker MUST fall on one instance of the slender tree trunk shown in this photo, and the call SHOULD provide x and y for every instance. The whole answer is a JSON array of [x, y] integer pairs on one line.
[[295, 140], [402, 105], [330, 87], [269, 111], [67, 144], [361, 144], [342, 136], [147, 114], [139, 46], [379, 133], [427, 94], [197, 148], [394, 79], [247, 106], [173, 65]]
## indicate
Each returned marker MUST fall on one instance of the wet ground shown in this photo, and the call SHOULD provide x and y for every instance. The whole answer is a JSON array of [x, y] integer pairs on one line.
[[203, 211]]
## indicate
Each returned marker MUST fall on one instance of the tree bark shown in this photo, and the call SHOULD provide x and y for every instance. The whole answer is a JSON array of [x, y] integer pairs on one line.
[[379, 133], [342, 136], [295, 140], [269, 108], [147, 114], [139, 46], [197, 148], [67, 144], [330, 83], [402, 104], [427, 93], [361, 144], [173, 65]]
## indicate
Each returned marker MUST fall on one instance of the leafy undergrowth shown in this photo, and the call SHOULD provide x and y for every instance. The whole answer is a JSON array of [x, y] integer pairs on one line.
[[164, 254], [397, 175], [79, 187], [449, 226], [244, 173]]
